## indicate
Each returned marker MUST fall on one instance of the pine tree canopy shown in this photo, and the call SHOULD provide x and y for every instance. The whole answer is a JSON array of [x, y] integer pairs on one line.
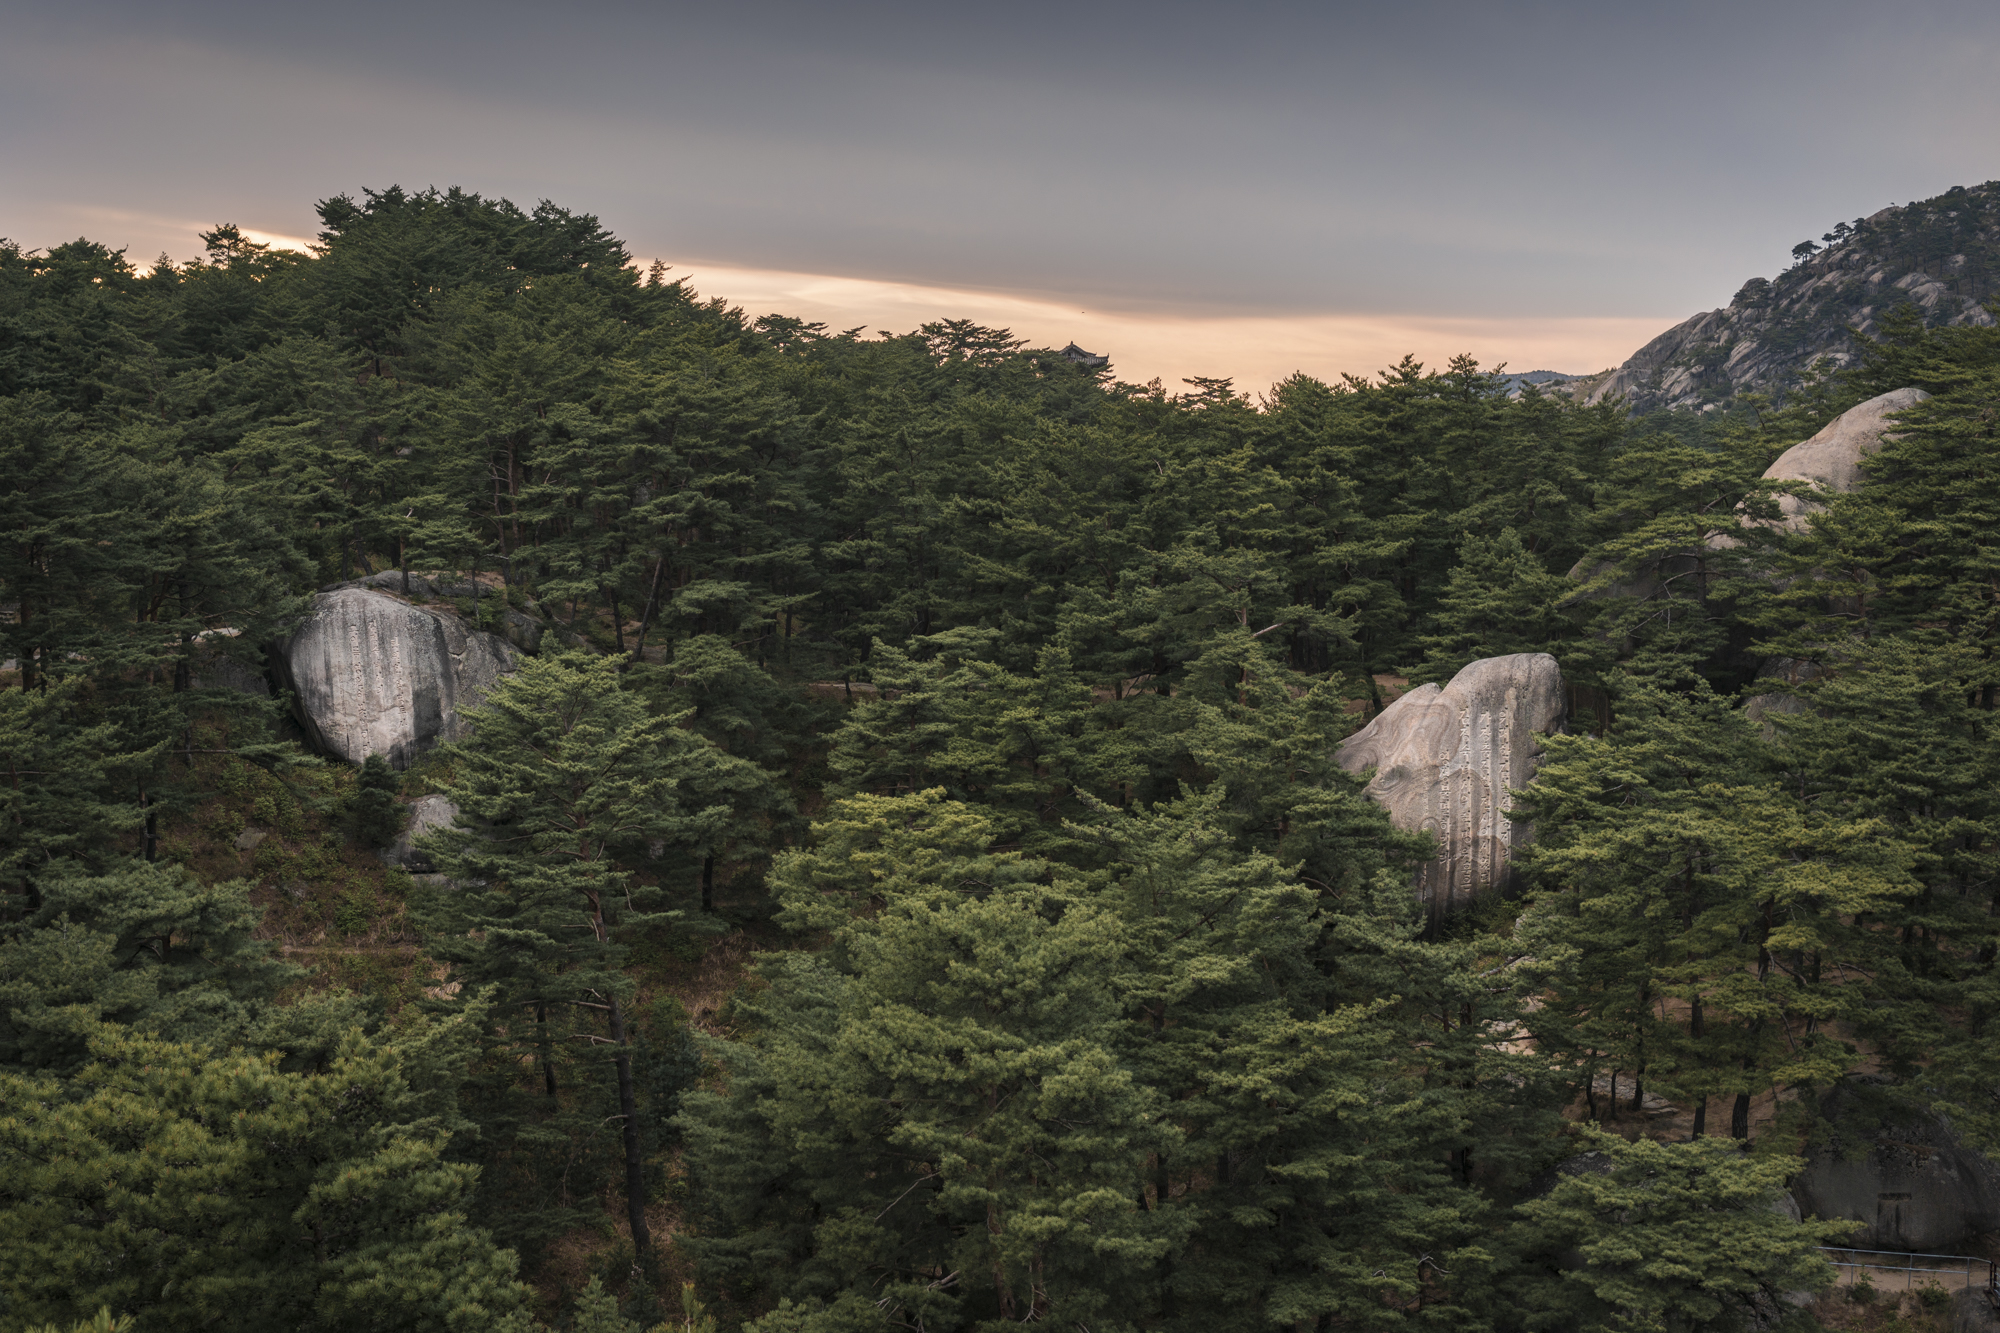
[[897, 872]]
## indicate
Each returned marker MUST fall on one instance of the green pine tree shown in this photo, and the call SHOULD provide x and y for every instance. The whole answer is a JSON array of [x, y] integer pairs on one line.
[[564, 783]]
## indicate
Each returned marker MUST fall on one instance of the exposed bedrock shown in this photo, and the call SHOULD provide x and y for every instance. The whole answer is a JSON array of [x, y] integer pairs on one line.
[[1901, 1172], [373, 675], [1445, 760], [1832, 459], [425, 815]]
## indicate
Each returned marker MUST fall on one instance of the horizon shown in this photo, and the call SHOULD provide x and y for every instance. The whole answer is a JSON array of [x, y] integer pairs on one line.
[[1298, 189]]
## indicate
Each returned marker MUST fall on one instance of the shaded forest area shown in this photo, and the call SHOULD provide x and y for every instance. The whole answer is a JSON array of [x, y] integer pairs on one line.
[[911, 886]]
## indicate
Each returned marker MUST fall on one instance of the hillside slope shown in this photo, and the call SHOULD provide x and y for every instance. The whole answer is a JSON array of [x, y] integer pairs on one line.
[[1941, 254]]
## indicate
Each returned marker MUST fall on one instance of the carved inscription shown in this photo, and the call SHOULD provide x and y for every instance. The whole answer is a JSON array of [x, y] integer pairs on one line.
[[357, 677], [1467, 810], [1503, 778], [1463, 873], [399, 676]]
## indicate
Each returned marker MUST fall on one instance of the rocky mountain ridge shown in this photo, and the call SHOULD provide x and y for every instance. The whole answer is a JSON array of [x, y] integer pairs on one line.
[[1941, 255]]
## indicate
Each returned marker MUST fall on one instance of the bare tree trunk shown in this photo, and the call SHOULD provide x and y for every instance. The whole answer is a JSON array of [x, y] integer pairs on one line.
[[542, 1042], [1695, 1031], [652, 604], [628, 1107], [617, 621]]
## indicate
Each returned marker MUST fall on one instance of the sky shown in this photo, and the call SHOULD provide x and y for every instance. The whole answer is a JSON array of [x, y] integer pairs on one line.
[[1195, 189]]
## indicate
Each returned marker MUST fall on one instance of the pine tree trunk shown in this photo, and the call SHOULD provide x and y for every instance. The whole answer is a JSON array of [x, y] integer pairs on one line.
[[628, 1106], [708, 884], [617, 622], [542, 1044], [652, 604]]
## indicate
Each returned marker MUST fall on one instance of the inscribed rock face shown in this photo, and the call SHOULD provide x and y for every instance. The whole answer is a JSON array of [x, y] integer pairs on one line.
[[1445, 759], [1914, 1186], [372, 675]]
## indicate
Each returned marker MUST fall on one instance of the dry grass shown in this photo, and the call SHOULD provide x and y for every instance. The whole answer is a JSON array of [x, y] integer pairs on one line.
[[1889, 1312]]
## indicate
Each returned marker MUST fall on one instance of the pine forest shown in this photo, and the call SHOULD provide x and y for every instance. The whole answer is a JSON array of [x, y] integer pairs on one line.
[[532, 799]]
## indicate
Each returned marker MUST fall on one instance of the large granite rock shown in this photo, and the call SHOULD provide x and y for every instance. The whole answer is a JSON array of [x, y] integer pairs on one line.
[[1901, 1172], [1445, 759], [1832, 459], [372, 675]]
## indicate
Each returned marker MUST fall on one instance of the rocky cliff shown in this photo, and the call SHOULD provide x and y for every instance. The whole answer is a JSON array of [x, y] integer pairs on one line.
[[1941, 255]]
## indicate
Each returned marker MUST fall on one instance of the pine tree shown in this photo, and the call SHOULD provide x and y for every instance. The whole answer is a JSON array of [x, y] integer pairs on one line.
[[376, 817], [148, 946], [196, 1189], [562, 786], [954, 1092], [1673, 863], [1673, 1237], [1500, 599]]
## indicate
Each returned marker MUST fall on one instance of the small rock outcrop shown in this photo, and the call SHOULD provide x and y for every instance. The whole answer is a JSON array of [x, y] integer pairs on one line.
[[1901, 1172], [372, 675], [1973, 1311], [216, 670], [426, 814], [1445, 760]]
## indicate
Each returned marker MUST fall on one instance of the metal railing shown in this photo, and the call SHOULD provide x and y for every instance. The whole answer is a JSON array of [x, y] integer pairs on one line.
[[1893, 1270]]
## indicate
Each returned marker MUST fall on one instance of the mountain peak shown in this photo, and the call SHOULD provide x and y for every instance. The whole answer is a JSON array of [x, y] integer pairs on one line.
[[1940, 254]]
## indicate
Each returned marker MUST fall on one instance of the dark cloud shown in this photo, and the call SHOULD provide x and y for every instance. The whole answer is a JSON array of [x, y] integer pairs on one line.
[[1531, 159]]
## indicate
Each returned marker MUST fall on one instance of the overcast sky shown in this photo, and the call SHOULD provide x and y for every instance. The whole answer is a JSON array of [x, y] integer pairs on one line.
[[1228, 189]]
